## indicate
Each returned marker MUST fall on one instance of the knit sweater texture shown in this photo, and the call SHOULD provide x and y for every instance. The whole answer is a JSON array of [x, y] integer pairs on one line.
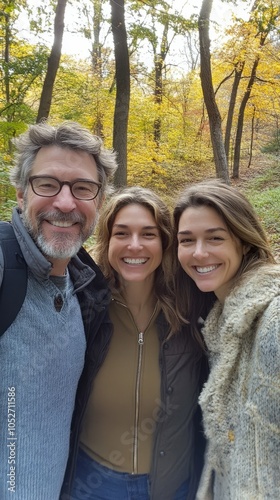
[[241, 399]]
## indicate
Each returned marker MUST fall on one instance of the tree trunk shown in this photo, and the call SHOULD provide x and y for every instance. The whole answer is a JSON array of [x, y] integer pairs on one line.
[[264, 26], [96, 48], [122, 89], [97, 66], [240, 121], [237, 77], [53, 62], [9, 108], [159, 61], [7, 59], [215, 121], [252, 137]]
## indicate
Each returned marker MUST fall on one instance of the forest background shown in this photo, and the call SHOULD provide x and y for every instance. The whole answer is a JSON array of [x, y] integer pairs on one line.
[[181, 90]]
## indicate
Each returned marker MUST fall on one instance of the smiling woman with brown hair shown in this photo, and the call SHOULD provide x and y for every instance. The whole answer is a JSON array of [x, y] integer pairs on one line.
[[138, 438], [224, 255]]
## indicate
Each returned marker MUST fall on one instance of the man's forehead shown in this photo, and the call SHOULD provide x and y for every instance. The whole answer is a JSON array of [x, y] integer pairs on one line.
[[56, 160]]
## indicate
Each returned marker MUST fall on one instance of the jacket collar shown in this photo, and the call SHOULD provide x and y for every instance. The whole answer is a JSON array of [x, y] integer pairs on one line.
[[33, 257]]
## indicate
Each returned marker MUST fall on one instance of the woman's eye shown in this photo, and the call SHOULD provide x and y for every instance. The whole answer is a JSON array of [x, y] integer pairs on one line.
[[149, 235], [185, 241]]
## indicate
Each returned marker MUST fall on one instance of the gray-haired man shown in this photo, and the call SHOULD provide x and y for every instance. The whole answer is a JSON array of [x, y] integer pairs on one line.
[[61, 176]]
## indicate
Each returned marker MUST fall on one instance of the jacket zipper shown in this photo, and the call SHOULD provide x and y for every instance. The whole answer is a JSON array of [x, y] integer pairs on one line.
[[137, 388], [137, 402], [137, 392]]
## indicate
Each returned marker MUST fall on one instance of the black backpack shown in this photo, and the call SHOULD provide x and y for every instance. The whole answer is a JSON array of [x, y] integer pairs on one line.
[[14, 283]]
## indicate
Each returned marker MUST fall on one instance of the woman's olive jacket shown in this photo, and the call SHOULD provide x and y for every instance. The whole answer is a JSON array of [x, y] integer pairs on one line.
[[180, 360]]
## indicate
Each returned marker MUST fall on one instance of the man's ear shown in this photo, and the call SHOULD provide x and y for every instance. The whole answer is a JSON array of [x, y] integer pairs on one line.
[[19, 194]]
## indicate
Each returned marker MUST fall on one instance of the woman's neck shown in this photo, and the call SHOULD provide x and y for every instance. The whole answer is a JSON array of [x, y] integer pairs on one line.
[[141, 301]]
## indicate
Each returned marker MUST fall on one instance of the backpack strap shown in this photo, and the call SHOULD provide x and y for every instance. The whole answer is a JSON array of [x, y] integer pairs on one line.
[[14, 283]]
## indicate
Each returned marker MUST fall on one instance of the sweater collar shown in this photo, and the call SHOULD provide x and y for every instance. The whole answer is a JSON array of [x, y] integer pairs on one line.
[[232, 320]]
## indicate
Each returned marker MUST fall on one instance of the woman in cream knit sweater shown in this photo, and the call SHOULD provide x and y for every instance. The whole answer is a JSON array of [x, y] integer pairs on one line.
[[225, 260]]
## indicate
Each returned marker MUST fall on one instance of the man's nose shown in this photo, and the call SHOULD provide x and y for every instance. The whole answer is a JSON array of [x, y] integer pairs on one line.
[[64, 200]]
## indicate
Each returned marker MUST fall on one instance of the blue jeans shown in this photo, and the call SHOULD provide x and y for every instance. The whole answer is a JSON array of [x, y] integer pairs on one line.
[[96, 482]]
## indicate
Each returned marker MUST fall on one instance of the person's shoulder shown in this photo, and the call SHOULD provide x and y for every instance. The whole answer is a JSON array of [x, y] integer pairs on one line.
[[266, 273], [1, 265], [265, 357], [85, 258], [268, 337], [261, 284], [5, 231], [183, 341], [268, 290], [272, 312]]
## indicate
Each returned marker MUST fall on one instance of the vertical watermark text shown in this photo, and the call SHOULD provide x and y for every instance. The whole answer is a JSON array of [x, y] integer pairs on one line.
[[11, 439]]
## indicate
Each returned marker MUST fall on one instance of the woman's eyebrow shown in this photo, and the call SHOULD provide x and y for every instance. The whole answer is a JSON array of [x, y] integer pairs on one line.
[[210, 230], [144, 227]]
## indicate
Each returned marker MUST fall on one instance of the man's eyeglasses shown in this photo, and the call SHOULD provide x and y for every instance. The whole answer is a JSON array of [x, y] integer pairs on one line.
[[43, 185]]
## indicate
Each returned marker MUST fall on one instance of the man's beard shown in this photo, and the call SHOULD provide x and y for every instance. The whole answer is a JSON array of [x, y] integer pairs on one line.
[[59, 245]]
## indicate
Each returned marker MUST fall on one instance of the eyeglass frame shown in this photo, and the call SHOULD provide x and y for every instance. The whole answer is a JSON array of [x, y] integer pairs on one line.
[[61, 184]]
